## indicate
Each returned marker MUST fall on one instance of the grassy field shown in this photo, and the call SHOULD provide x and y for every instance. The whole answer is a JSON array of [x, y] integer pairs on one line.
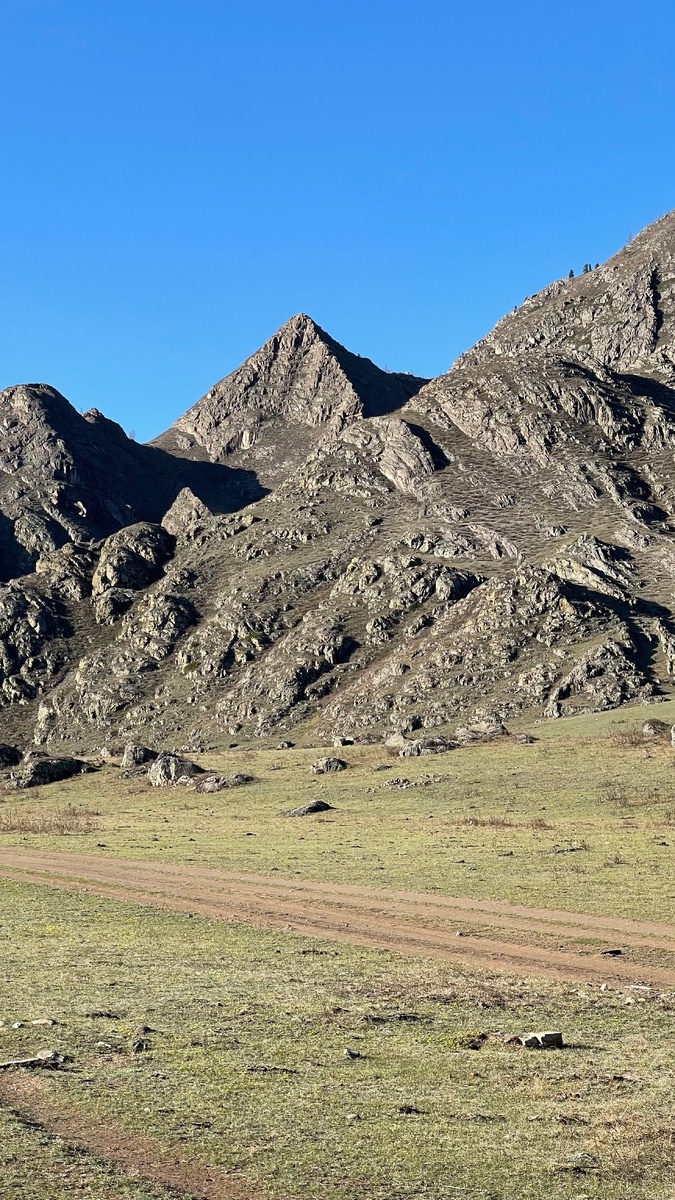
[[245, 1066], [245, 1063], [576, 820]]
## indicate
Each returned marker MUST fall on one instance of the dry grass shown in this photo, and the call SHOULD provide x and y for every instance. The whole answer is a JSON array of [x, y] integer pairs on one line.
[[59, 822], [625, 739], [493, 822]]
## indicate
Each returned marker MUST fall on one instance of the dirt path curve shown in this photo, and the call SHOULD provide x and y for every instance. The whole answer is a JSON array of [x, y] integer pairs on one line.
[[143, 1158], [408, 922]]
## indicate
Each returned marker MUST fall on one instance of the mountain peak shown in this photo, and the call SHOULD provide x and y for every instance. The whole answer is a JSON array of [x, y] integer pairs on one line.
[[274, 406]]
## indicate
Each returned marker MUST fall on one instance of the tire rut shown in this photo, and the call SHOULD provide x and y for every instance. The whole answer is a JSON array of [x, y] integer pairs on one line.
[[409, 923]]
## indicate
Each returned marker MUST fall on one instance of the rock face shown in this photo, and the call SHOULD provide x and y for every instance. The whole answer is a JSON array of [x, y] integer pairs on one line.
[[320, 544], [67, 478], [269, 411]]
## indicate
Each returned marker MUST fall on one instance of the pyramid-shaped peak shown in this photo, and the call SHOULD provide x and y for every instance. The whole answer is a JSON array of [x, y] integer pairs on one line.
[[302, 377]]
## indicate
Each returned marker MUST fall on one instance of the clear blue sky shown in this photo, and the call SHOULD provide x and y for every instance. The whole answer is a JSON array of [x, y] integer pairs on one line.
[[181, 176]]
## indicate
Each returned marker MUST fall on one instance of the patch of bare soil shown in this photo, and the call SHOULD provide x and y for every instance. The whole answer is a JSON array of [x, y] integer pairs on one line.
[[406, 922], [141, 1158]]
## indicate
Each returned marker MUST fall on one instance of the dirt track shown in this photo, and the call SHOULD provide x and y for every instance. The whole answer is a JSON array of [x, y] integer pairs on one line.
[[144, 1158], [498, 935]]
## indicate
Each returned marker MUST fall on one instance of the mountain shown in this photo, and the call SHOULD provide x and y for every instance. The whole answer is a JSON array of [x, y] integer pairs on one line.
[[69, 478], [430, 558], [274, 409]]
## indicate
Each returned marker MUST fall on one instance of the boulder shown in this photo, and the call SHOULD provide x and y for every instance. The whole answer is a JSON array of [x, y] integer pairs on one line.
[[305, 810], [435, 745], [132, 558], [168, 770], [218, 783], [10, 756], [548, 1040], [186, 516], [38, 769], [655, 728], [328, 766], [135, 756], [396, 741]]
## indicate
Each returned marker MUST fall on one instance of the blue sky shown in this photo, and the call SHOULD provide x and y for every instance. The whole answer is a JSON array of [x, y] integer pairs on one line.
[[180, 177]]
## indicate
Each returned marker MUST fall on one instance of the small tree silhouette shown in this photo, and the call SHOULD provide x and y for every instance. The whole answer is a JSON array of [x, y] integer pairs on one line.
[[571, 274]]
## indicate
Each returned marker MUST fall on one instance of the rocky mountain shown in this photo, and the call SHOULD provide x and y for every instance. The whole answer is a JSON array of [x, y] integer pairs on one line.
[[427, 559], [69, 478], [269, 413]]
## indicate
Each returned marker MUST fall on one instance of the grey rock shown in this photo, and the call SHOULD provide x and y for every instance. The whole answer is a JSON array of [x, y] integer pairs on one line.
[[38, 769], [655, 728], [132, 558], [219, 783], [135, 755], [306, 810], [187, 515], [168, 770], [548, 1040], [328, 766], [10, 756]]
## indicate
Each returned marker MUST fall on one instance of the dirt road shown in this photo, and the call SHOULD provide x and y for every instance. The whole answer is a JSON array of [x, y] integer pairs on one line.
[[494, 934]]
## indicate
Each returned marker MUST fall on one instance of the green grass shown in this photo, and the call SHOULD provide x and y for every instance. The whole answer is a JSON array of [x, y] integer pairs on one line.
[[496, 825], [493, 1122], [35, 1165]]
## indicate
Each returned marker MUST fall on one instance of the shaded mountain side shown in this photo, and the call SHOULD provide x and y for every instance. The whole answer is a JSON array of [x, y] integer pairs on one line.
[[269, 413], [67, 477], [503, 539]]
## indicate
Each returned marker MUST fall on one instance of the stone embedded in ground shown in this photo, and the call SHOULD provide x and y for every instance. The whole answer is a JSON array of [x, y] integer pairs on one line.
[[548, 1040], [218, 783], [135, 755], [655, 728], [305, 810], [328, 766], [168, 770]]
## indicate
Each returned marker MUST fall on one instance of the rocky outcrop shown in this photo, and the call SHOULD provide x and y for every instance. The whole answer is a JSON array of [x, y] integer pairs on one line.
[[32, 626], [187, 516], [39, 769], [132, 558], [168, 770]]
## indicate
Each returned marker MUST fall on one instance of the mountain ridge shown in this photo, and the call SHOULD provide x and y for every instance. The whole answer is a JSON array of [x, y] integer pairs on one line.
[[421, 556]]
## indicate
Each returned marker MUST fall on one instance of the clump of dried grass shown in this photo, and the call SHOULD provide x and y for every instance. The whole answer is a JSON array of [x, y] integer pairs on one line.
[[493, 822], [59, 822]]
